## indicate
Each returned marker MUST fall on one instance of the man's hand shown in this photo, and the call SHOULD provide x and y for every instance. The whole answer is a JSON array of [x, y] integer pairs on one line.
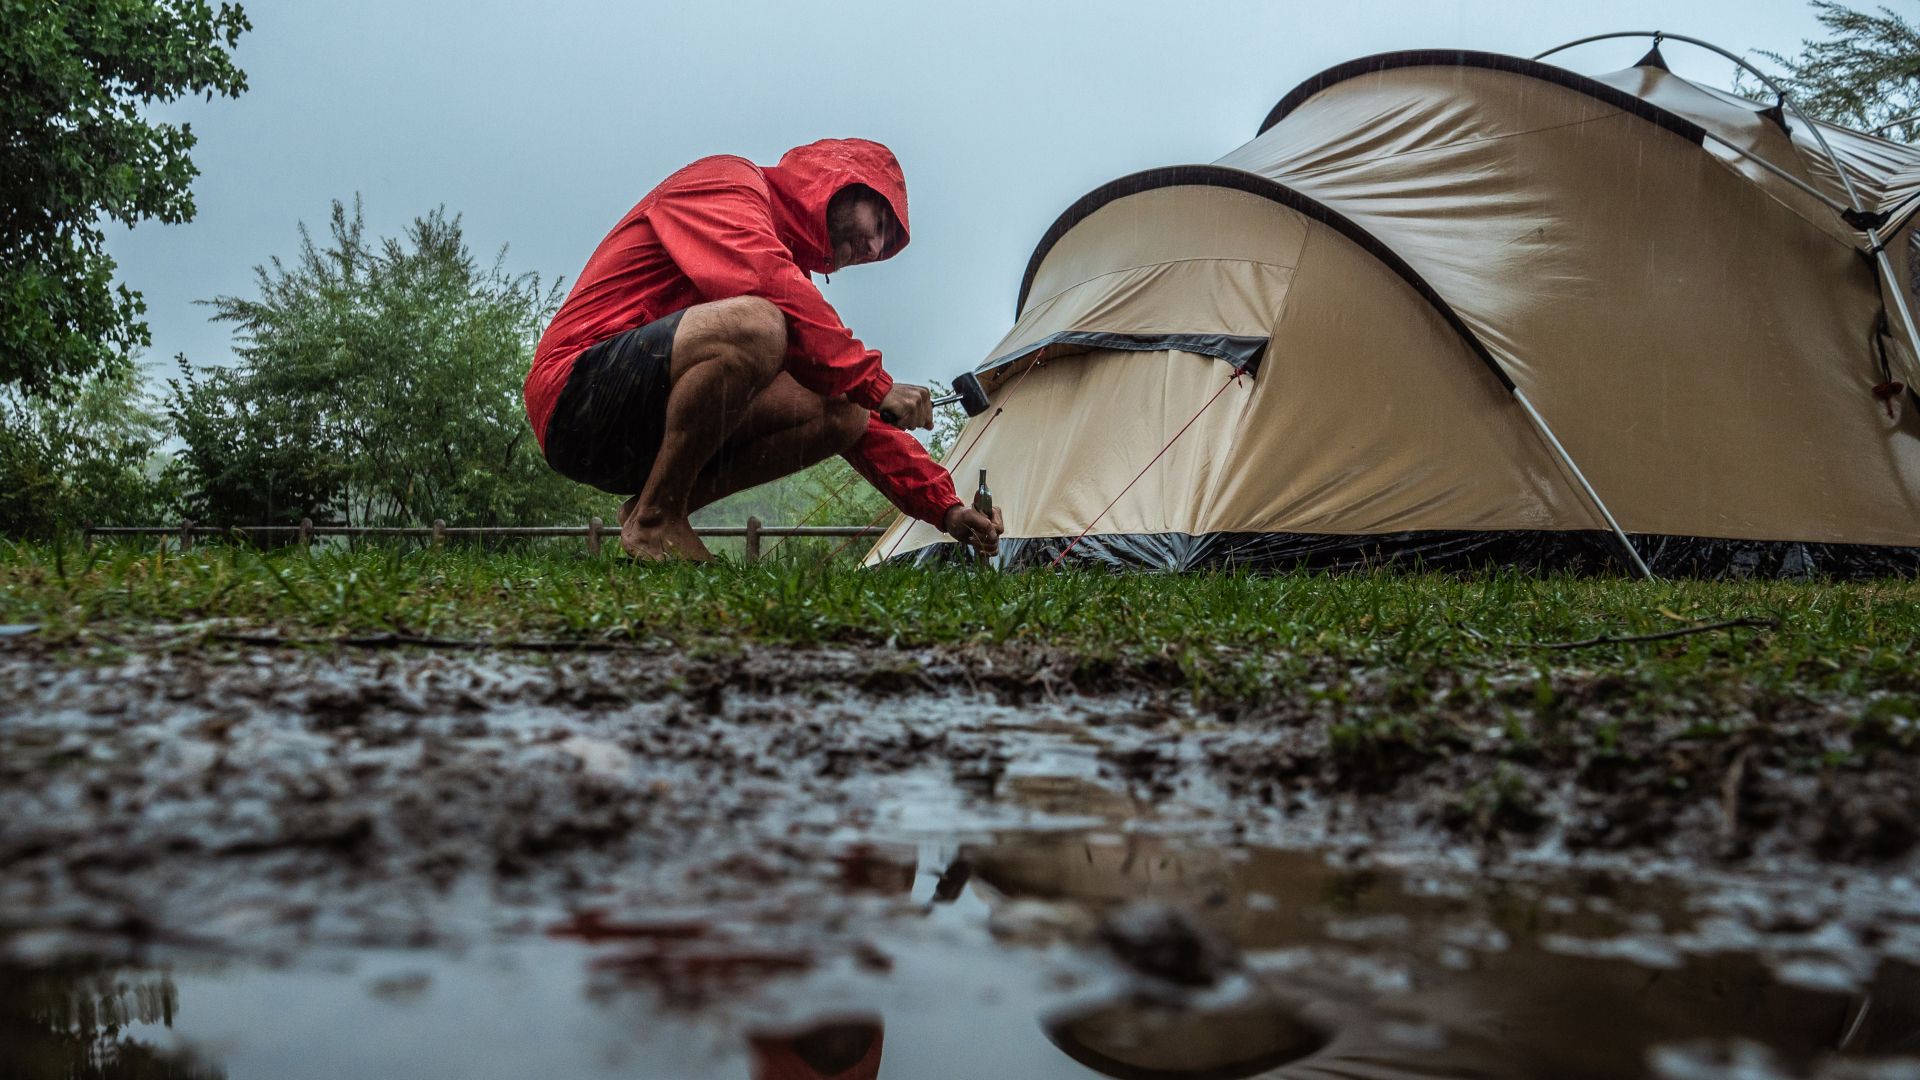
[[971, 527], [907, 407]]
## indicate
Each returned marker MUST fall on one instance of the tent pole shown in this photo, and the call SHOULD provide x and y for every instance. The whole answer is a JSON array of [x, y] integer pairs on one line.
[[1567, 460], [1873, 241], [1875, 244], [1899, 296], [1840, 170], [1661, 35], [1832, 204]]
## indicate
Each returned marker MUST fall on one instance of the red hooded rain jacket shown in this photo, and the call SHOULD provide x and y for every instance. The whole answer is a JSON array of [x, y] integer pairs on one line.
[[725, 227]]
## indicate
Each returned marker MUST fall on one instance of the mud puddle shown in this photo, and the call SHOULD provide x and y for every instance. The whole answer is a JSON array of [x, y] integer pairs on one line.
[[277, 863], [1063, 954]]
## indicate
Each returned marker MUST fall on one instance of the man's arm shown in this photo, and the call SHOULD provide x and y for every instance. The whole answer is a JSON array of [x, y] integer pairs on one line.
[[718, 228], [895, 463]]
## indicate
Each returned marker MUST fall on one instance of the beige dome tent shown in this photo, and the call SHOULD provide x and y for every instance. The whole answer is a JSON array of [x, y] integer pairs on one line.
[[1467, 309]]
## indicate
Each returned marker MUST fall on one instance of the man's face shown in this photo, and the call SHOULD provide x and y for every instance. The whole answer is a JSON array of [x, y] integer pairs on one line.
[[859, 228]]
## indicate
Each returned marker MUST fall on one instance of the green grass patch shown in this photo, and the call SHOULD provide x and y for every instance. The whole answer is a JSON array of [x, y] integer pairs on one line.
[[1435, 639]]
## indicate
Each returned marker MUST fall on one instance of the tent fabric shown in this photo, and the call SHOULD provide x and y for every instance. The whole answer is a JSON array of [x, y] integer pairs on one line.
[[1886, 174], [1206, 176], [1463, 59], [1418, 238]]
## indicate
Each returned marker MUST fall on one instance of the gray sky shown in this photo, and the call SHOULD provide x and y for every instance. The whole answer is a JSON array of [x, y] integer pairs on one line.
[[543, 123]]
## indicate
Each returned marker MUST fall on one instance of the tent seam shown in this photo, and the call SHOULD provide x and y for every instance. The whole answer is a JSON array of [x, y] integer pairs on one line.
[[1657, 115]]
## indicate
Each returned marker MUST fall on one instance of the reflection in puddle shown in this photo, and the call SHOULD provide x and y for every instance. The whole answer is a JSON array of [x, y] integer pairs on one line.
[[1418, 979], [89, 1021], [1033, 955], [1140, 1038], [841, 1050]]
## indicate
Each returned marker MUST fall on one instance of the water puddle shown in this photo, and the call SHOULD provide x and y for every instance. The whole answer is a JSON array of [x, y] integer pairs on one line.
[[584, 881], [1032, 954]]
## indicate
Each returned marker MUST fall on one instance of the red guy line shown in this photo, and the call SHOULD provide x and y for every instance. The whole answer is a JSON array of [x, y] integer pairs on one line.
[[1231, 379]]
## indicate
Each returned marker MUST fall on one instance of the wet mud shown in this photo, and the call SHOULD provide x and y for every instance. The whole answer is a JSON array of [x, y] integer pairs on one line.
[[246, 860]]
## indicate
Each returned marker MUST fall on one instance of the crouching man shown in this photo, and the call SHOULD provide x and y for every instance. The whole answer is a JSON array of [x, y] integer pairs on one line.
[[694, 357]]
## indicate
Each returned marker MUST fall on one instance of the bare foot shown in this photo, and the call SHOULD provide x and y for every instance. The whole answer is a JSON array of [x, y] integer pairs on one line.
[[651, 535]]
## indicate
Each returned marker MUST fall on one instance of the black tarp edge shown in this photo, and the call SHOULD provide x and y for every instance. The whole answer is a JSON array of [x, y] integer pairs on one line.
[[1559, 76], [1236, 349], [1450, 550], [1254, 184]]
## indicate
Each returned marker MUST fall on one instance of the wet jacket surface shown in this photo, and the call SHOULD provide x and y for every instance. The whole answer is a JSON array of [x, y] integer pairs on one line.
[[725, 227]]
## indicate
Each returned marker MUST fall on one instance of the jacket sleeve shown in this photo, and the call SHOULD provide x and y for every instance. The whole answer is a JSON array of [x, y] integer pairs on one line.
[[895, 463], [718, 228]]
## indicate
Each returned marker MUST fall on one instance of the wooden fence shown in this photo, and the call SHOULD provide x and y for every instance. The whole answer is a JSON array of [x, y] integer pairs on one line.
[[594, 530]]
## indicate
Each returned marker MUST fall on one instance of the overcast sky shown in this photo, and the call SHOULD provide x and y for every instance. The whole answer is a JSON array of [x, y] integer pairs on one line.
[[541, 124]]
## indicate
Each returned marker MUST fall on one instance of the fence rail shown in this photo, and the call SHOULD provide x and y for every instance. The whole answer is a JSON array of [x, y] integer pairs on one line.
[[595, 531]]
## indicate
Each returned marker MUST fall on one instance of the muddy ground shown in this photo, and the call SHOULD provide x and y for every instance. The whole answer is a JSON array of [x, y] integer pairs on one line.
[[200, 797]]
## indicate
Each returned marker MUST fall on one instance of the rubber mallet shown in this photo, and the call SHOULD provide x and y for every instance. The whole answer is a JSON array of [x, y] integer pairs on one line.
[[968, 392]]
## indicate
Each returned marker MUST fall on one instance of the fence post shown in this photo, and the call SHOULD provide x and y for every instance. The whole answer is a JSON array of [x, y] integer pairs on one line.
[[593, 536], [439, 534], [306, 532], [186, 534], [86, 536], [753, 539]]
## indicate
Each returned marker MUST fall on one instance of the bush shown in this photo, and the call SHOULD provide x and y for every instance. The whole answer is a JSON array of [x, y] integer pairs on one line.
[[379, 384], [92, 459]]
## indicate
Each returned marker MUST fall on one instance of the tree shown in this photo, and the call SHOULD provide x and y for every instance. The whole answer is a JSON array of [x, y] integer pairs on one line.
[[74, 76], [1866, 76], [379, 383], [91, 458]]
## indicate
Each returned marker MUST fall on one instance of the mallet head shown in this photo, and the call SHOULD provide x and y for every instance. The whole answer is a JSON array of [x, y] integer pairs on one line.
[[967, 393], [971, 395]]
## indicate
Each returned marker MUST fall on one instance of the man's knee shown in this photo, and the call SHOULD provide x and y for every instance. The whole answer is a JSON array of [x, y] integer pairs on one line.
[[753, 326]]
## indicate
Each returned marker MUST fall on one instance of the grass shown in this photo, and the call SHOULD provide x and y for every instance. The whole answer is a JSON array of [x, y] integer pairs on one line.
[[1356, 682], [1235, 635]]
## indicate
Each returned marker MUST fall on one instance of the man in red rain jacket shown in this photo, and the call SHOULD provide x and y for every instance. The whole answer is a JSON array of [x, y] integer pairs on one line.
[[695, 358]]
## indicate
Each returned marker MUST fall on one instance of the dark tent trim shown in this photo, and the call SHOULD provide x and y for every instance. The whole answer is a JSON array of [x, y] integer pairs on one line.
[[1240, 351], [1534, 69], [1254, 184], [1449, 550]]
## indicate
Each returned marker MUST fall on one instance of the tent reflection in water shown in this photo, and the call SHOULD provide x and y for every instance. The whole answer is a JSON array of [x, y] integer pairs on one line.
[[1424, 984], [1482, 311]]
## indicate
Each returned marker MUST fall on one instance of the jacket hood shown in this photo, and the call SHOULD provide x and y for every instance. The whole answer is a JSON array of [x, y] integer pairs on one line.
[[809, 176]]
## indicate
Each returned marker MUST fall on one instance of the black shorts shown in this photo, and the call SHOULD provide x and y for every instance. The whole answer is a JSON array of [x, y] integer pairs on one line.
[[606, 427]]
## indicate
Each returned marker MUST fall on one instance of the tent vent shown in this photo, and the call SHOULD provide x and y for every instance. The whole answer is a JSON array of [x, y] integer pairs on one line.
[[1653, 59], [1778, 114], [1241, 352]]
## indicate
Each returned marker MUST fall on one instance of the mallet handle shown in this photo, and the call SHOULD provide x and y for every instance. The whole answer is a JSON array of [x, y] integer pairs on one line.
[[937, 402]]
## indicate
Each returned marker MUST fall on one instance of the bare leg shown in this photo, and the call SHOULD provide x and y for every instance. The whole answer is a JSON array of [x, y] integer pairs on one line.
[[724, 354], [788, 428]]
